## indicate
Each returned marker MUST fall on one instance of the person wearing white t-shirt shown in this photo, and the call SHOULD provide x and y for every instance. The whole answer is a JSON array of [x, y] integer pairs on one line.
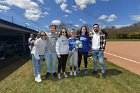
[[98, 47]]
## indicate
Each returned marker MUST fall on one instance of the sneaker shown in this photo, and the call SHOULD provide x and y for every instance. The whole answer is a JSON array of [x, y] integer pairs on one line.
[[54, 74], [59, 77], [47, 75], [38, 79], [86, 71], [78, 71], [71, 73], [103, 75], [65, 75], [75, 73], [95, 73]]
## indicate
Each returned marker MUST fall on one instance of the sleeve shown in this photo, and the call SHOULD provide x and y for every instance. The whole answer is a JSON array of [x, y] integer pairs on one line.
[[104, 41], [35, 50], [29, 41], [36, 43], [58, 46]]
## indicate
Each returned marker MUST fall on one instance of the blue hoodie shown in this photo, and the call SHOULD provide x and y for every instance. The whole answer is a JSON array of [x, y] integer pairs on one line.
[[72, 43], [85, 43]]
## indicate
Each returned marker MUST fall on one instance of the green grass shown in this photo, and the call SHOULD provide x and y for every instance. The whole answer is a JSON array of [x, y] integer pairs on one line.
[[21, 80], [123, 39]]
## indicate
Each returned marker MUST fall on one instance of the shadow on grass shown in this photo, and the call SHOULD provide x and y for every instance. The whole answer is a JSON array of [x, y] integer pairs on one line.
[[109, 73], [11, 64], [113, 72]]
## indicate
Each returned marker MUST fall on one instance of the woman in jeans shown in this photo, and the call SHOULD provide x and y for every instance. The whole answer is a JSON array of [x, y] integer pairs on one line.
[[37, 52]]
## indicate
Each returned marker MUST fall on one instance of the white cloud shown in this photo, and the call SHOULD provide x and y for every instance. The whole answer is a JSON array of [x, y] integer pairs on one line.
[[63, 7], [32, 14], [4, 8], [102, 17], [83, 3], [108, 18], [119, 26], [60, 1], [66, 15], [44, 14], [111, 18], [41, 1], [75, 7], [76, 25], [47, 27], [27, 24], [135, 17], [81, 20], [105, 0], [32, 11], [56, 22], [24, 4]]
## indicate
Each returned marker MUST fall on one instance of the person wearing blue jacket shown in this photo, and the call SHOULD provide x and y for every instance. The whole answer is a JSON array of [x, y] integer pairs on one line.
[[84, 38], [73, 51]]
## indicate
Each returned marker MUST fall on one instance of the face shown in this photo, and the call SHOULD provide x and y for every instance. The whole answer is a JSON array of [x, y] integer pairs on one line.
[[43, 35], [96, 28], [31, 35], [63, 32], [73, 34], [52, 29], [83, 29]]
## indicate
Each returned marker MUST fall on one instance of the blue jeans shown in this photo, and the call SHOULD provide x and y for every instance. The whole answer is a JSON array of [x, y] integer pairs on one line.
[[98, 55], [50, 57], [37, 65]]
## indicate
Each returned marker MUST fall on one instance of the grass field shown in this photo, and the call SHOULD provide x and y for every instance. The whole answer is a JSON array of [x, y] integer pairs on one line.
[[17, 78]]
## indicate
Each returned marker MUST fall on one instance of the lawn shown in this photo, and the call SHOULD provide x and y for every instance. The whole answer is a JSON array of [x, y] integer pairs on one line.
[[18, 78]]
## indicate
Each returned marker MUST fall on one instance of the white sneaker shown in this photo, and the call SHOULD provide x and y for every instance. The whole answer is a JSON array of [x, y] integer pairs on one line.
[[65, 75], [59, 77], [71, 73], [38, 79], [75, 73]]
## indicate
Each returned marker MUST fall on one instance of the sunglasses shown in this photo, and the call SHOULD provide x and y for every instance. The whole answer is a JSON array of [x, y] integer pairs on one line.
[[42, 35], [64, 32]]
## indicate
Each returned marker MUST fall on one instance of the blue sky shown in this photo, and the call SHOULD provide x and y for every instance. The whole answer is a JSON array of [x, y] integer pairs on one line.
[[38, 14]]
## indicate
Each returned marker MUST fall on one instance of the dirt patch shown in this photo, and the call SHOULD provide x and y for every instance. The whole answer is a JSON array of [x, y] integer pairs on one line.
[[124, 54]]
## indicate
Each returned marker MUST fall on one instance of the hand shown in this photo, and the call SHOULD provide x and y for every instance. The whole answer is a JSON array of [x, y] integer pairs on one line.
[[58, 56], [73, 50]]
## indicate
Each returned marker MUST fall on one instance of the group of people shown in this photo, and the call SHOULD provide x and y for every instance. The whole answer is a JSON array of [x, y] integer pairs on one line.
[[67, 47]]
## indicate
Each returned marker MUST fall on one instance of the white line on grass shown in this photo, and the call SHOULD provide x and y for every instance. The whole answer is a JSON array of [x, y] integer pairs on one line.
[[122, 58]]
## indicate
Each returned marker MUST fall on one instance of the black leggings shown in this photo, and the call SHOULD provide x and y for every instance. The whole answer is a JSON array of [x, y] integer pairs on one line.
[[80, 58], [62, 62]]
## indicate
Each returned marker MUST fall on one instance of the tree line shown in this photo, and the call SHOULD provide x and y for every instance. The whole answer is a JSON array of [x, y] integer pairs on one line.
[[129, 32]]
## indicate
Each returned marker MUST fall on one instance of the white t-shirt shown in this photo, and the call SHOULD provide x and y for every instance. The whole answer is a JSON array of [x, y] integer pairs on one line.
[[96, 41]]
